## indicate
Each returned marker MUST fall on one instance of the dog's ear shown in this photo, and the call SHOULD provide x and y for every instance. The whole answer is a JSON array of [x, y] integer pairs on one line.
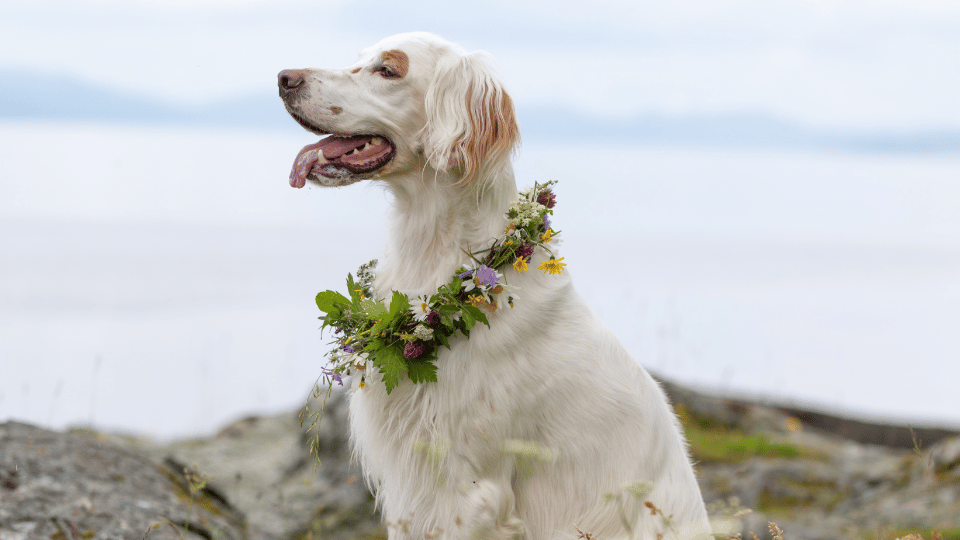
[[470, 123]]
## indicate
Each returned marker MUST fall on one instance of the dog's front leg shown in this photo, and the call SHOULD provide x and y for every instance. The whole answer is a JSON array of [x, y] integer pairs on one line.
[[491, 513]]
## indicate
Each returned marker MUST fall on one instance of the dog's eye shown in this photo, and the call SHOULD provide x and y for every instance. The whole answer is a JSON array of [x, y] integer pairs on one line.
[[386, 72]]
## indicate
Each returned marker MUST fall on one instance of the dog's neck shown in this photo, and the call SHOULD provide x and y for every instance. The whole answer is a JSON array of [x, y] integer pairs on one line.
[[435, 222]]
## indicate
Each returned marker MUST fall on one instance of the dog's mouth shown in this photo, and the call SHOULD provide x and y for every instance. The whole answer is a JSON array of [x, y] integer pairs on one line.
[[341, 160]]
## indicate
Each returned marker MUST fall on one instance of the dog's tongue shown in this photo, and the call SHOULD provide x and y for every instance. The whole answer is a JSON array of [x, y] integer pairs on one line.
[[355, 154]]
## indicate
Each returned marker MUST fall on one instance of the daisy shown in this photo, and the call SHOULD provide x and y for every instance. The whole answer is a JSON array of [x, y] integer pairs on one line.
[[420, 306]]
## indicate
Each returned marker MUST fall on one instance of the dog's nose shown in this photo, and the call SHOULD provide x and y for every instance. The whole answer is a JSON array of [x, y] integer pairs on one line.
[[290, 80]]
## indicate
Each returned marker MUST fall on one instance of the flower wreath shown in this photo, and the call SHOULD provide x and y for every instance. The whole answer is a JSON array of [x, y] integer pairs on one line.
[[405, 335]]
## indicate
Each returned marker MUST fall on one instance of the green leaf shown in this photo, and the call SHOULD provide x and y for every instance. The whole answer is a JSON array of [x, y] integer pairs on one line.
[[476, 313], [422, 371], [331, 302], [381, 325], [373, 308], [399, 304], [468, 319], [392, 364], [354, 290]]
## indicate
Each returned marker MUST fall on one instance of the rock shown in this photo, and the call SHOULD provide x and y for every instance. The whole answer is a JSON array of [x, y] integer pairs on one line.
[[264, 482], [944, 457], [264, 465], [69, 486]]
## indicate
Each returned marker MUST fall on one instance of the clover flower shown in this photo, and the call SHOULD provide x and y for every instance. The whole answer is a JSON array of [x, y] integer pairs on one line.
[[413, 350], [552, 266], [524, 251], [547, 198], [433, 318]]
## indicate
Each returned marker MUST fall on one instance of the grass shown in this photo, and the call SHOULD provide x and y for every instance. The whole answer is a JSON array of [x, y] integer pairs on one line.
[[712, 441], [952, 533]]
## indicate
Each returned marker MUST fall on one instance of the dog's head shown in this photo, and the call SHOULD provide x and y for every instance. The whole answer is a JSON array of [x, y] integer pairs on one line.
[[410, 101]]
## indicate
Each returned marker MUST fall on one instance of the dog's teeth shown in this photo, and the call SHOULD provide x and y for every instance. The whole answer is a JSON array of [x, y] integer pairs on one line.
[[320, 159], [377, 141]]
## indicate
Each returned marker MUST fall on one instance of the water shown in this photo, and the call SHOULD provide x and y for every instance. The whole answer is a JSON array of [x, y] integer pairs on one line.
[[161, 280]]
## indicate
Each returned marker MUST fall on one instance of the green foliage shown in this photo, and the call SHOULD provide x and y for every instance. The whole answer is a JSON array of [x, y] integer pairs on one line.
[[712, 441]]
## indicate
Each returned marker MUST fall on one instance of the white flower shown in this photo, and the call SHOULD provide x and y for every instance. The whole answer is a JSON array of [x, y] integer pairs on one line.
[[474, 284], [509, 291], [359, 360], [423, 332], [526, 212], [420, 306]]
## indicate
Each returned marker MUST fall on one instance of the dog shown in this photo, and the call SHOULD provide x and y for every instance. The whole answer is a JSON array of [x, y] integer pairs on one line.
[[540, 427]]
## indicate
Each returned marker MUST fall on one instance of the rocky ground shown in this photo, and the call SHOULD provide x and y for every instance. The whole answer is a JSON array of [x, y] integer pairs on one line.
[[816, 475]]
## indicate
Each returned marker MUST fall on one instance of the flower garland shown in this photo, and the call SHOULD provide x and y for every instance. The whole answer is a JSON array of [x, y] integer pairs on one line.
[[405, 335]]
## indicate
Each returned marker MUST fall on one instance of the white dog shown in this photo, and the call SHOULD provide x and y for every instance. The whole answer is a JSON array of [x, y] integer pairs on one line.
[[541, 424]]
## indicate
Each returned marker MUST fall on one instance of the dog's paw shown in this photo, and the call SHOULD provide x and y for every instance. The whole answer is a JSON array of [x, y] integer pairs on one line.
[[491, 513]]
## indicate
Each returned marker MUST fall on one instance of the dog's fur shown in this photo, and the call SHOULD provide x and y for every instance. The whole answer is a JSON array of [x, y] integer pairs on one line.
[[536, 425]]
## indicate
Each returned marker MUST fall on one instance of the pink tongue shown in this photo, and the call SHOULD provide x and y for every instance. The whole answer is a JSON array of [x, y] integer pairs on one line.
[[333, 147], [303, 164]]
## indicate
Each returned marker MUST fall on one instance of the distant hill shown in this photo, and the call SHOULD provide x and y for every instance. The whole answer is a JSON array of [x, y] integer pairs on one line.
[[28, 95], [31, 95]]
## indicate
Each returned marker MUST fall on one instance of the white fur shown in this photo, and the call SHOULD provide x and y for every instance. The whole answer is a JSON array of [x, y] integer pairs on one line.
[[547, 377]]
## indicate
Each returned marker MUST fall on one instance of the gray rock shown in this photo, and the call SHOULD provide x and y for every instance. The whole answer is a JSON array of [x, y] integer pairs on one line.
[[266, 467], [56, 485], [63, 485]]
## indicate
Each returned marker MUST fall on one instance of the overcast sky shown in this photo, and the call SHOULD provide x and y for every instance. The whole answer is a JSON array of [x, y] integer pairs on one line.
[[843, 64]]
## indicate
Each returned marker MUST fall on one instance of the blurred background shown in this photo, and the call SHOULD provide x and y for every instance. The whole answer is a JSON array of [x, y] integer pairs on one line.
[[759, 197]]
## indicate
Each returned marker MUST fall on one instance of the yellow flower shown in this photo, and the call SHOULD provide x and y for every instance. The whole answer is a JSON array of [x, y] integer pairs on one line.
[[552, 266], [478, 300], [520, 265], [546, 236], [511, 227], [362, 383]]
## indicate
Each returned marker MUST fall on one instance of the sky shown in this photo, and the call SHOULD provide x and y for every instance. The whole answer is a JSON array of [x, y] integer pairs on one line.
[[859, 64]]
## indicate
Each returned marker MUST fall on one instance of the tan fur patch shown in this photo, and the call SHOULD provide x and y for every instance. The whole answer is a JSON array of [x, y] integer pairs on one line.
[[493, 127], [356, 70], [336, 110], [398, 61]]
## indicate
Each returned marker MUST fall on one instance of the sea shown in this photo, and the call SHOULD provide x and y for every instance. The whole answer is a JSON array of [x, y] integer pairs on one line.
[[161, 280]]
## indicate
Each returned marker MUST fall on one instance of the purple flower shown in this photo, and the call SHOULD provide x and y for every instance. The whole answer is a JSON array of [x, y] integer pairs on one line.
[[433, 318], [546, 223], [524, 251], [465, 275], [412, 350], [547, 198], [487, 275], [347, 348], [333, 375]]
